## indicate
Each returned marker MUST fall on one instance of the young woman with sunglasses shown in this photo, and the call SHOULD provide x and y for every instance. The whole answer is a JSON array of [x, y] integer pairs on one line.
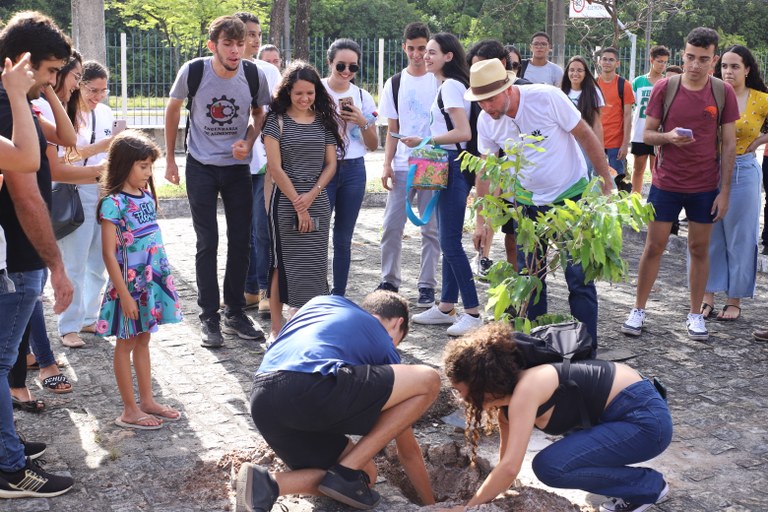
[[347, 188]]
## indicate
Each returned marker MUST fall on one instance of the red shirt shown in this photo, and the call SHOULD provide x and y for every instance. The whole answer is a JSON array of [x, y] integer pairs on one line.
[[612, 114], [694, 167]]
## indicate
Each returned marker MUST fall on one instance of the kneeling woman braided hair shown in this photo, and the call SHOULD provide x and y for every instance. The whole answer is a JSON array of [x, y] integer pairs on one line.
[[630, 421]]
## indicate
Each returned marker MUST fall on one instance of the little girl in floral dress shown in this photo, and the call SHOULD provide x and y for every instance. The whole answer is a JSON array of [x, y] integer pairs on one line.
[[140, 294]]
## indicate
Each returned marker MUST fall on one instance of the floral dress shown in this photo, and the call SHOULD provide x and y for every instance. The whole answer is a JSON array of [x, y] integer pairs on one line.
[[145, 267]]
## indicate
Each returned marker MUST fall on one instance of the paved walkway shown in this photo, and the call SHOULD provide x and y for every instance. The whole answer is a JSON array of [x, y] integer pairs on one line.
[[718, 458]]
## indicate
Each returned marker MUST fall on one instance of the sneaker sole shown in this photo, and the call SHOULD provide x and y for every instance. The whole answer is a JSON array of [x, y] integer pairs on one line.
[[6, 494], [331, 493], [207, 344], [698, 337], [425, 305], [629, 331], [434, 322], [234, 332], [244, 488]]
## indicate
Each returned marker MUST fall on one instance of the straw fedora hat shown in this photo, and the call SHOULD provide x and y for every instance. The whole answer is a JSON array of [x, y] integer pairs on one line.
[[488, 78]]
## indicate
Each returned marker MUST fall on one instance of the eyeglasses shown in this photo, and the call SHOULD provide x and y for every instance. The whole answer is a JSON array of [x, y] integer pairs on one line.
[[96, 92], [540, 44], [515, 66], [78, 76], [457, 395], [340, 66]]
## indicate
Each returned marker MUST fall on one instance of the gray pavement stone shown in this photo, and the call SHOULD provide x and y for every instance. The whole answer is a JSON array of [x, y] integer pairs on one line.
[[718, 458]]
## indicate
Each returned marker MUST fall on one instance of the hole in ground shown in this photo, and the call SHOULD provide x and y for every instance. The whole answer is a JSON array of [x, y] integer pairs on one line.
[[455, 481]]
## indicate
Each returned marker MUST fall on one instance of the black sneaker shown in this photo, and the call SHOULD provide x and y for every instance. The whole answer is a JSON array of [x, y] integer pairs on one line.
[[386, 286], [765, 249], [257, 490], [356, 492], [242, 326], [33, 482], [484, 265], [426, 298], [211, 334], [32, 449]]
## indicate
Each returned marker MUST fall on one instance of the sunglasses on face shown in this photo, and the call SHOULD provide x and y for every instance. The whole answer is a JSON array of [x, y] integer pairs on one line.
[[353, 68], [515, 66]]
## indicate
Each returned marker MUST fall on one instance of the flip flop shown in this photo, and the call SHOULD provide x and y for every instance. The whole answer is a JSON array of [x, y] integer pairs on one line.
[[137, 426], [74, 340], [163, 417], [721, 318], [51, 384], [707, 310]]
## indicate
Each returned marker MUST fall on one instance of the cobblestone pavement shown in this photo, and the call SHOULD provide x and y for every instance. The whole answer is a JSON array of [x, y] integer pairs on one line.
[[718, 459]]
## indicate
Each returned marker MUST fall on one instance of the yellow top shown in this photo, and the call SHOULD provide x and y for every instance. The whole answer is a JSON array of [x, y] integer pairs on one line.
[[751, 120]]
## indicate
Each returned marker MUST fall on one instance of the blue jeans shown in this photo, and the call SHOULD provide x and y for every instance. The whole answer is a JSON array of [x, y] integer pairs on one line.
[[204, 184], [614, 162], [38, 335], [635, 427], [451, 208], [345, 195], [258, 267], [15, 310], [582, 296]]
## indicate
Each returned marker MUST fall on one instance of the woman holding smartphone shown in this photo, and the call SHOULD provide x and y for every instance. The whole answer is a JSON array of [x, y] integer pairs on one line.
[[446, 59], [301, 138], [347, 188]]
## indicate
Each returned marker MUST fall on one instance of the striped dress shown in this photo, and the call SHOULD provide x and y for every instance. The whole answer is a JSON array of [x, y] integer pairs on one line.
[[301, 258]]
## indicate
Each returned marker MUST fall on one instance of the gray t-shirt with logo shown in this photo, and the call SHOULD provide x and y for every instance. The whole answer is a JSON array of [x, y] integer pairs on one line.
[[220, 113]]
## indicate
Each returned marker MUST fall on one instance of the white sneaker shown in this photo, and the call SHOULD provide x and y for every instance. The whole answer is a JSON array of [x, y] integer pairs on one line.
[[466, 323], [433, 316], [635, 322], [697, 328]]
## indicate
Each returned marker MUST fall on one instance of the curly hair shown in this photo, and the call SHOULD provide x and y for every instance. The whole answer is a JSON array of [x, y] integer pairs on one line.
[[324, 106], [589, 100], [754, 78], [488, 362]]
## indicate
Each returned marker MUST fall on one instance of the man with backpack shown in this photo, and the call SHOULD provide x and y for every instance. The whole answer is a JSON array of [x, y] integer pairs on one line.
[[405, 103], [616, 115], [225, 95], [691, 120], [557, 173]]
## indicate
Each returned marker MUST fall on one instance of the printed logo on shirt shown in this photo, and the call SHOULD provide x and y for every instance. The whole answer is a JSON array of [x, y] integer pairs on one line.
[[537, 133], [222, 111], [145, 213]]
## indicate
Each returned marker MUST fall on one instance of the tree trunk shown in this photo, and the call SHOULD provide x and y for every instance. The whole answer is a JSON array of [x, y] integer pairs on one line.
[[88, 33], [276, 23], [301, 30]]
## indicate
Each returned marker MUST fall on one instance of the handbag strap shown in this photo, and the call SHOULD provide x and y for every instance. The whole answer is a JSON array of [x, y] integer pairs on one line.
[[427, 213], [93, 132]]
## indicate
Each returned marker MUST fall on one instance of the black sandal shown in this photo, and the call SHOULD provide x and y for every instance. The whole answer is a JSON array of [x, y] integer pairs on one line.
[[35, 406], [51, 384], [708, 310]]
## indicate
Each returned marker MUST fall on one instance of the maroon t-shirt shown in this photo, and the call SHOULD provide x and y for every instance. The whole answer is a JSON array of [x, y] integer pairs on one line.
[[694, 167]]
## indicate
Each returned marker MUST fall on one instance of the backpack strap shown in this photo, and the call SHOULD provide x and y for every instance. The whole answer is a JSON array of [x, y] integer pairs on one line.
[[523, 66], [448, 122], [396, 89], [620, 84], [251, 71], [673, 85], [569, 383], [194, 77]]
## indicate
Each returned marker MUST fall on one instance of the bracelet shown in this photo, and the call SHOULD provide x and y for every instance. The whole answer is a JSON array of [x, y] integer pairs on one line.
[[366, 126], [319, 188]]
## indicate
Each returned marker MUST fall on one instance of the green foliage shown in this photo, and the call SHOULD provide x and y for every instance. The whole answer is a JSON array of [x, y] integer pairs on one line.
[[59, 10], [587, 232]]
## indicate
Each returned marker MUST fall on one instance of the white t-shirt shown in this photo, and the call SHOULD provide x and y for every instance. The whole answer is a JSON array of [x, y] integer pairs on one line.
[[550, 73], [272, 74], [453, 97], [89, 194], [545, 111], [353, 137], [414, 97], [575, 95]]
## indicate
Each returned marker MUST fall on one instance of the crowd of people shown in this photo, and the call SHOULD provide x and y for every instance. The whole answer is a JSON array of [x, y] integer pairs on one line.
[[284, 149]]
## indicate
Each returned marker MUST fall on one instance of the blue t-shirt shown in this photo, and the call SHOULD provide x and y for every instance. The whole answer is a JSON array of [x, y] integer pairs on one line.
[[327, 333]]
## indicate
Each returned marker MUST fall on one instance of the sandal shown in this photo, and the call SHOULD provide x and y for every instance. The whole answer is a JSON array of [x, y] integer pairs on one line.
[[28, 405], [137, 425], [36, 365], [707, 310], [72, 340], [52, 384], [722, 318], [90, 329]]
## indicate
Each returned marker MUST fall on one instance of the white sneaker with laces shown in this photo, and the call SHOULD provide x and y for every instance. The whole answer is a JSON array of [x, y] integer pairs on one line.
[[466, 323], [697, 328], [433, 316], [635, 322]]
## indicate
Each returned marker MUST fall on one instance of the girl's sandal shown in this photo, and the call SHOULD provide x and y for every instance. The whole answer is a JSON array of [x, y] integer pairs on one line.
[[72, 340], [707, 310]]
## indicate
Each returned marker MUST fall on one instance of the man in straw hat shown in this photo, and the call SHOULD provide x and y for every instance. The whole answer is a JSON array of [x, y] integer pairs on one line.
[[555, 174]]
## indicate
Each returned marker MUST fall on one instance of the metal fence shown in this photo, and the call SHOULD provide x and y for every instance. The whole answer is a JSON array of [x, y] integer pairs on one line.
[[151, 64]]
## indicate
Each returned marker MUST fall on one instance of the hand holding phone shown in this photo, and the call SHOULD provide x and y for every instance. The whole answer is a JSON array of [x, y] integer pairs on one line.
[[118, 125], [684, 132], [345, 103], [397, 135]]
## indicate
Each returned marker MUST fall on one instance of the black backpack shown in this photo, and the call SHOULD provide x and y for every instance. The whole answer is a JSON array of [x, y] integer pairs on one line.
[[195, 76]]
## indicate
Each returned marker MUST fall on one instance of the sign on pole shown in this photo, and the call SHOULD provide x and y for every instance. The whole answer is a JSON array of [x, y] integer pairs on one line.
[[587, 9]]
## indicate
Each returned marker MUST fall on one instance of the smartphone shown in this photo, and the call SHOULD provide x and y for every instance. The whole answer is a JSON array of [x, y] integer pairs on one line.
[[397, 135], [315, 222], [345, 103], [118, 125], [684, 132]]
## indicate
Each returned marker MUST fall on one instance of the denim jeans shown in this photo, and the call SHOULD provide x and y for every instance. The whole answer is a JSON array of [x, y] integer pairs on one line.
[[451, 209], [258, 267], [345, 194], [204, 184], [15, 311], [582, 296], [38, 336], [617, 165], [635, 427]]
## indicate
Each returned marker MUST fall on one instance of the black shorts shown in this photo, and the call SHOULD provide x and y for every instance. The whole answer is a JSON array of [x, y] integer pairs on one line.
[[640, 148], [305, 417]]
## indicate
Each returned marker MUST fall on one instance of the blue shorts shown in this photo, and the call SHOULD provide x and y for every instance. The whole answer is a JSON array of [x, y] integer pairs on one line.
[[616, 164], [698, 205]]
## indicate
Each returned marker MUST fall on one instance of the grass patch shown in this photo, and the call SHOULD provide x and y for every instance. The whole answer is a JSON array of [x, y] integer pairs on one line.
[[170, 191]]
